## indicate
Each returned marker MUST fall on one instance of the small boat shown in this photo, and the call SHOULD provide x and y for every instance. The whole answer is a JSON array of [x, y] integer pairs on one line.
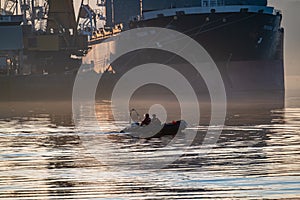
[[155, 130]]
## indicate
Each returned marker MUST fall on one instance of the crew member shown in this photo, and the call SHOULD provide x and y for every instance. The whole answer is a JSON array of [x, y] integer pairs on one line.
[[155, 121], [146, 121]]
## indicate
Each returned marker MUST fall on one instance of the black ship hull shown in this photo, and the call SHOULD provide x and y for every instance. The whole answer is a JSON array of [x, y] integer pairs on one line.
[[247, 48]]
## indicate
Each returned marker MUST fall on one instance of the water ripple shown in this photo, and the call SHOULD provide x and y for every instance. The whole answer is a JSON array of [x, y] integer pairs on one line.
[[44, 159]]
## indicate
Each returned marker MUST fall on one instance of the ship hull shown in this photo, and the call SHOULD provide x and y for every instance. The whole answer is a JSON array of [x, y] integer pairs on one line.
[[37, 87], [247, 48], [247, 83]]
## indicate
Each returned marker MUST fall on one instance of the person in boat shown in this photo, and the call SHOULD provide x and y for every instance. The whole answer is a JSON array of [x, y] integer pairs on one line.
[[155, 121], [146, 121]]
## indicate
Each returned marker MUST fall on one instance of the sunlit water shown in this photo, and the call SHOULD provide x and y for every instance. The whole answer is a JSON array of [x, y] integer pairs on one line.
[[42, 156]]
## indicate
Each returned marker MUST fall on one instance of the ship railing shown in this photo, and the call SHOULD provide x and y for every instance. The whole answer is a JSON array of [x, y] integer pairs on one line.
[[212, 3]]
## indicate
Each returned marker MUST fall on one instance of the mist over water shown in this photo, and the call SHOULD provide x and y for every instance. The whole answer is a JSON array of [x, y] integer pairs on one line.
[[44, 157]]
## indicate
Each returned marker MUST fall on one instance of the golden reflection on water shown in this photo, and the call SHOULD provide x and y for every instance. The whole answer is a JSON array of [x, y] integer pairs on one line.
[[42, 157]]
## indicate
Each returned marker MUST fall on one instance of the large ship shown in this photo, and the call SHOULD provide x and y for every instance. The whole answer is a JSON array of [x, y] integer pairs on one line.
[[243, 37]]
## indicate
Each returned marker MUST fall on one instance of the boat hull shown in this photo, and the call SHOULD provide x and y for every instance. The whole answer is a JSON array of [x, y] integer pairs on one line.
[[156, 131]]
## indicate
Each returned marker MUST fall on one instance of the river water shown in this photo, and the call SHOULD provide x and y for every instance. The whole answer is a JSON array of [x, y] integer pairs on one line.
[[42, 156]]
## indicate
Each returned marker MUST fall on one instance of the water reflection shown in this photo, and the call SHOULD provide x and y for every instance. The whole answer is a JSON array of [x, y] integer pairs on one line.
[[42, 157]]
